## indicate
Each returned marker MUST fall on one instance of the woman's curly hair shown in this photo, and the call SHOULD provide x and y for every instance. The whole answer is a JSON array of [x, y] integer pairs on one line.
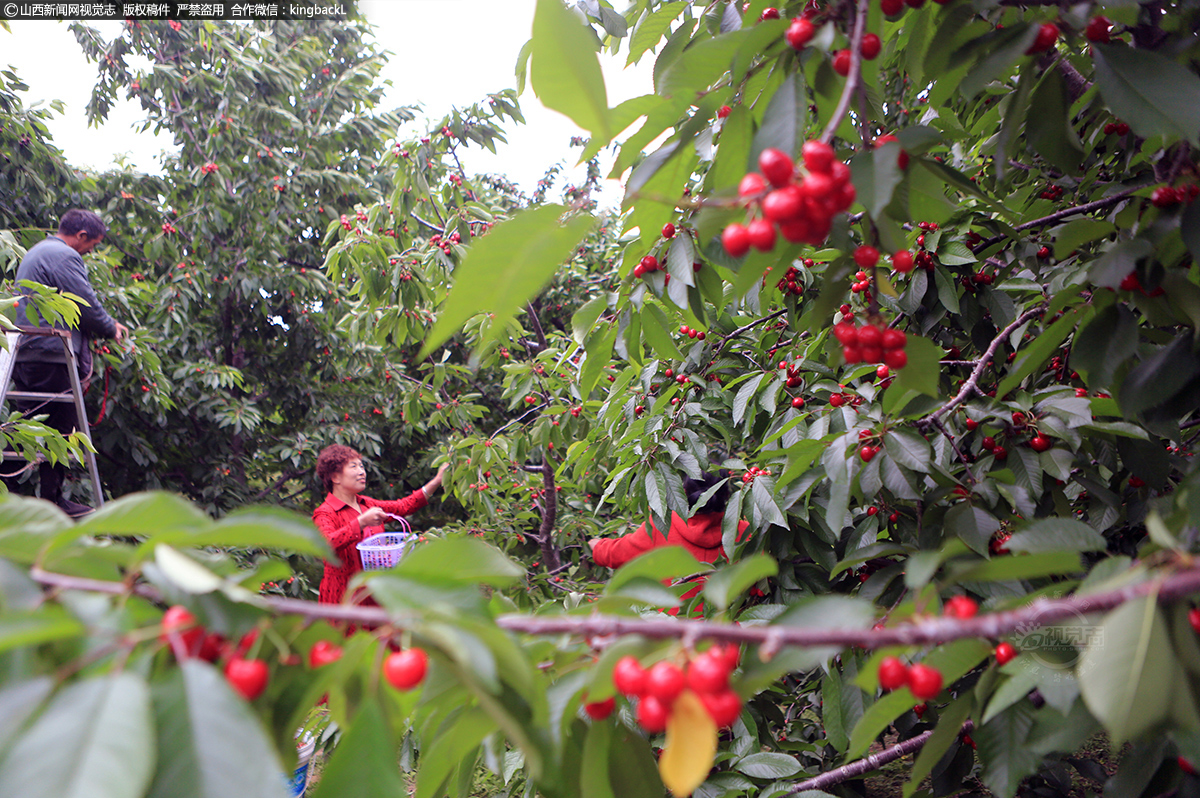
[[331, 461]]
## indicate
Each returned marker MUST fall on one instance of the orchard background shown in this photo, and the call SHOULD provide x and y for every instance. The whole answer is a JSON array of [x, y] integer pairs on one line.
[[298, 277]]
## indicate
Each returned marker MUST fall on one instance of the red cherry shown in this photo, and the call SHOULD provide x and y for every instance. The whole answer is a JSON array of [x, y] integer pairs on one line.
[[961, 607], [895, 358], [247, 676], [214, 646], [783, 204], [664, 681], [798, 402], [652, 714], [901, 161], [1186, 765], [1130, 282], [723, 707], [752, 185], [866, 256], [893, 673], [1164, 197], [841, 62], [1097, 30], [867, 453], [1047, 35], [1000, 453], [708, 673], [893, 339], [650, 263], [882, 372], [902, 261], [818, 156], [870, 47], [724, 111], [629, 677], [776, 166], [836, 400], [852, 354], [872, 511], [1039, 443], [768, 13], [800, 33], [972, 424], [322, 653], [762, 235], [870, 336], [1005, 653], [178, 620], [846, 333], [668, 230], [736, 240], [1194, 619], [405, 669], [924, 681], [599, 710], [988, 442], [891, 7]]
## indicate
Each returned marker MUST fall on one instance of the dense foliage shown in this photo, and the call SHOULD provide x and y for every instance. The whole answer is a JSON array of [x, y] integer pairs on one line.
[[301, 276]]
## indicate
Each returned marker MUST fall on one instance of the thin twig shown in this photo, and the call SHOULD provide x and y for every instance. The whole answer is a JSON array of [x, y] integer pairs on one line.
[[972, 383], [954, 445], [855, 75], [724, 340], [873, 762]]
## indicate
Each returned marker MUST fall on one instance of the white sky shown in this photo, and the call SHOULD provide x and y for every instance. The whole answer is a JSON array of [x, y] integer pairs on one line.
[[445, 53]]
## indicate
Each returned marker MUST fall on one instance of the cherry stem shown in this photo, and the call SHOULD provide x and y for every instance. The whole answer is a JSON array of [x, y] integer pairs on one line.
[[928, 631], [853, 78], [958, 452], [972, 383]]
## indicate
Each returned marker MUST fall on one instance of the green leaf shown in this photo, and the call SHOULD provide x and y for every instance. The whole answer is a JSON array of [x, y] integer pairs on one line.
[[19, 700], [506, 268], [744, 397], [1056, 534], [631, 766], [565, 73], [599, 354], [1160, 376], [1154, 94], [94, 740], [908, 448], [1005, 569], [651, 28], [973, 525], [656, 329], [664, 562], [465, 561], [1127, 670], [148, 514], [875, 175], [1049, 129], [1004, 750], [24, 629], [923, 369], [785, 121], [730, 581], [1105, 344], [210, 743], [450, 747], [1115, 264], [184, 572], [1072, 235], [594, 782], [1002, 52], [254, 528], [585, 318], [949, 724], [364, 762], [767, 765], [1032, 357], [1189, 226]]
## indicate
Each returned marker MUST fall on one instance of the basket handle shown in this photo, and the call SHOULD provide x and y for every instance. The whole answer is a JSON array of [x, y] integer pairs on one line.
[[407, 527]]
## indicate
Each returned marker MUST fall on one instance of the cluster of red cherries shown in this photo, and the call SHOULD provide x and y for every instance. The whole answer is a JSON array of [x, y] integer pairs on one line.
[[870, 344], [798, 207], [657, 687]]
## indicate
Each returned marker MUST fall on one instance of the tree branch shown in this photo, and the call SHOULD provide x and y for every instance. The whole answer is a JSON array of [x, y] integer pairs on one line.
[[1054, 217], [744, 328], [873, 762], [929, 631], [954, 445], [550, 554], [855, 76], [972, 383]]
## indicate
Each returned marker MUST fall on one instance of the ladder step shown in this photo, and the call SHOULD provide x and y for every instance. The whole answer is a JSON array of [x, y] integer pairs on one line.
[[46, 397]]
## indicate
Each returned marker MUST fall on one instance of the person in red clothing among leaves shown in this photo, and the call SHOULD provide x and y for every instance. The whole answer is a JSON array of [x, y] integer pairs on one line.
[[700, 534], [346, 517]]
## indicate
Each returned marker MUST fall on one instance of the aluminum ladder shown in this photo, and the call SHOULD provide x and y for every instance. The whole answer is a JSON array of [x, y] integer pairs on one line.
[[8, 360]]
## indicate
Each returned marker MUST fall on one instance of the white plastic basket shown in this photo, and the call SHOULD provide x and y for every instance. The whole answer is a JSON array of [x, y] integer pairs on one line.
[[385, 549]]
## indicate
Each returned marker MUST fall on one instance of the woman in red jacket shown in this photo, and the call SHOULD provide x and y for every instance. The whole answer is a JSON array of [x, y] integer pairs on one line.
[[700, 534], [346, 517]]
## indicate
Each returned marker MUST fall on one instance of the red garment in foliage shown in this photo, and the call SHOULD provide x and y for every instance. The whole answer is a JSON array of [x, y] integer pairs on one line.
[[338, 522], [700, 535]]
